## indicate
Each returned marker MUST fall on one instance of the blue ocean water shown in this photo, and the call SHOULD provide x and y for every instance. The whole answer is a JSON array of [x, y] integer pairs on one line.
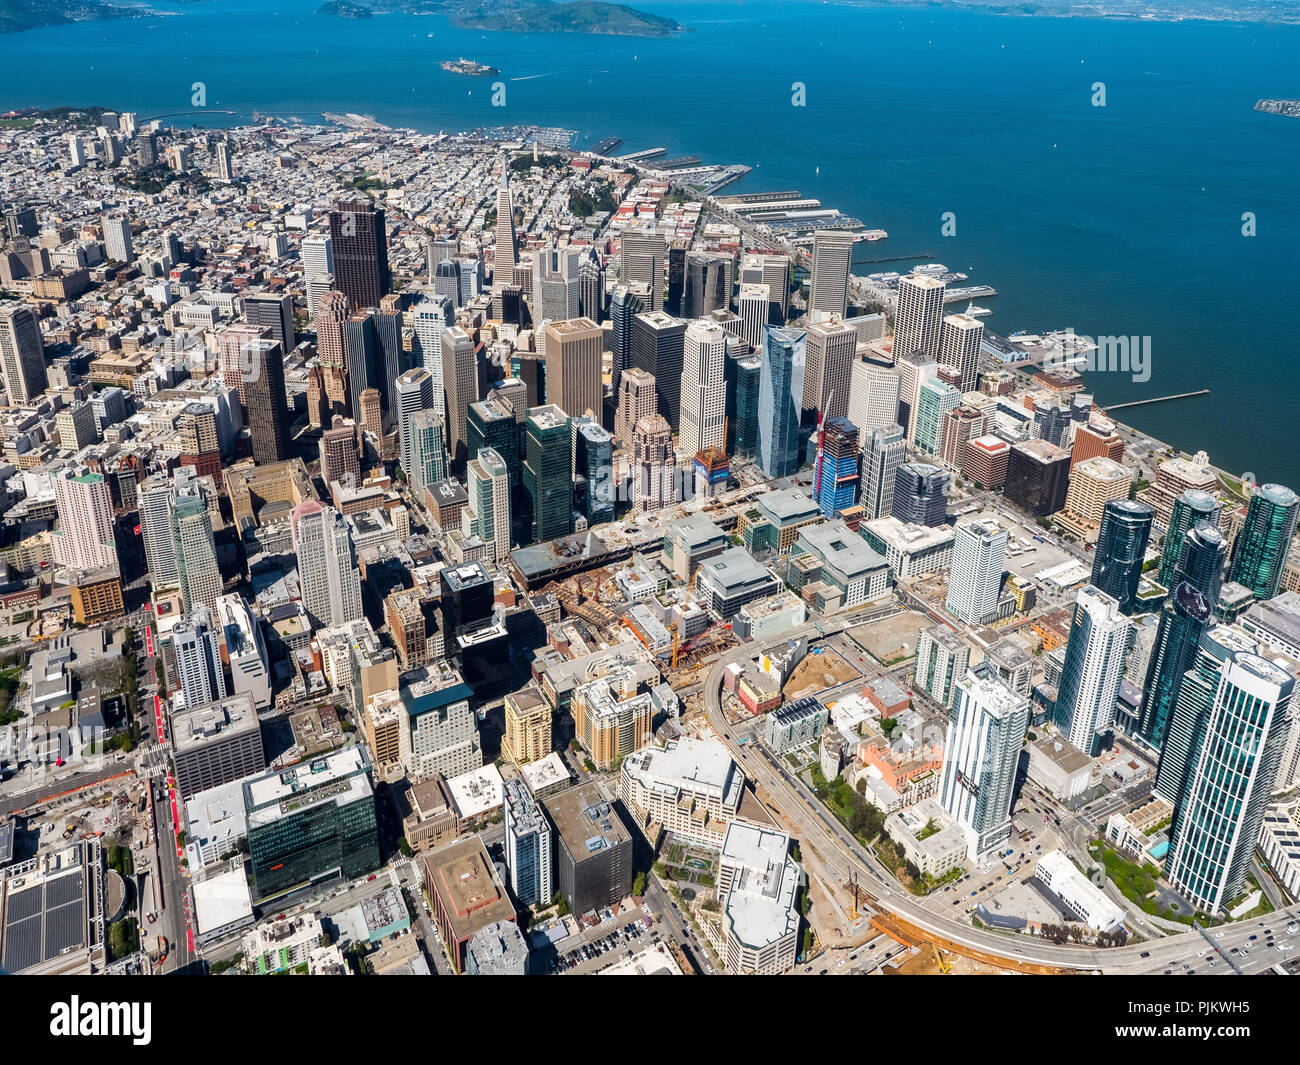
[[1116, 220]]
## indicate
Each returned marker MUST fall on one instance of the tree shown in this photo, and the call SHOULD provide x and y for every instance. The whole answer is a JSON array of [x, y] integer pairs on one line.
[[638, 885], [404, 847]]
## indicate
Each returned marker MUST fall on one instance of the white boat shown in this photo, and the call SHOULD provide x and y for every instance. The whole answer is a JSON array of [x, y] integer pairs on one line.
[[973, 311]]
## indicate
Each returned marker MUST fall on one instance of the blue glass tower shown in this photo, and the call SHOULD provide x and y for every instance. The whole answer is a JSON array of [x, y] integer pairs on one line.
[[1259, 552], [780, 399], [1183, 620], [1121, 547], [835, 474]]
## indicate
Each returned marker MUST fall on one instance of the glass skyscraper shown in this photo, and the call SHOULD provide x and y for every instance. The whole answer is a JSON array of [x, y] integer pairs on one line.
[[1121, 547], [1201, 560], [1218, 816], [1260, 550], [1093, 669], [1190, 509], [742, 405], [548, 471], [780, 399], [1183, 620]]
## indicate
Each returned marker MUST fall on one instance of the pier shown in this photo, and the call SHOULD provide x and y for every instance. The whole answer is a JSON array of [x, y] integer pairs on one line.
[[1157, 399]]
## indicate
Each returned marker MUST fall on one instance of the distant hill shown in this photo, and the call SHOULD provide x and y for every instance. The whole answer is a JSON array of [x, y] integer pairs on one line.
[[18, 15], [579, 16]]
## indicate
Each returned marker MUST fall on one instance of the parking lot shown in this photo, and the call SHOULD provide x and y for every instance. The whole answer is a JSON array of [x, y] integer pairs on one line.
[[592, 956]]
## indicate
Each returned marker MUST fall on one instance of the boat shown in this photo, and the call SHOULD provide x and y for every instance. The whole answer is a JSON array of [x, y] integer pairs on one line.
[[973, 311]]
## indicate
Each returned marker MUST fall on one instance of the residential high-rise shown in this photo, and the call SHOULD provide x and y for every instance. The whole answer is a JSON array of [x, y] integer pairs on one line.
[[753, 305], [654, 466], [636, 400], [1121, 549], [625, 303], [830, 348], [832, 260], [1218, 815], [591, 287], [460, 386], [548, 471], [327, 565], [921, 494], [487, 514], [527, 736], [658, 348], [1200, 563], [874, 391], [266, 402], [641, 256], [981, 756], [942, 659], [1095, 482], [1260, 550], [22, 354], [1185, 616], [703, 387], [275, 314], [961, 425], [193, 548], [360, 252], [960, 337], [773, 271], [780, 400], [836, 470], [919, 319], [84, 537], [1192, 507], [117, 238], [529, 859], [573, 356], [196, 643], [883, 451], [506, 254], [414, 393], [914, 369], [1094, 667], [975, 582]]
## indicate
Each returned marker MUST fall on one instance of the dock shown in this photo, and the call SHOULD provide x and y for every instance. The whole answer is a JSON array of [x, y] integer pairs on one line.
[[1157, 399]]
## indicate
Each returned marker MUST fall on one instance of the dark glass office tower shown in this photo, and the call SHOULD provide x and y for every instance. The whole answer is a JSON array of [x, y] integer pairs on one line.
[[1260, 550], [1201, 560], [658, 344], [266, 402], [273, 312], [548, 470], [1190, 509], [742, 405], [364, 353], [920, 494], [624, 305], [1121, 546], [360, 252], [390, 359], [1183, 619]]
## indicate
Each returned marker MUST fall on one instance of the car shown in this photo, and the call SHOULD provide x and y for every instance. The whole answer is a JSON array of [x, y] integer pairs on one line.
[[1292, 928], [1146, 954], [1254, 937]]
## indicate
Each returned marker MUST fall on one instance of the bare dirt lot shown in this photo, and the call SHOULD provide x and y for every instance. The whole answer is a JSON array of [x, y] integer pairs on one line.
[[891, 639], [816, 673]]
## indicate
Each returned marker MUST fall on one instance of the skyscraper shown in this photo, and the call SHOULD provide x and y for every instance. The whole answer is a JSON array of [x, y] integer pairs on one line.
[[573, 372], [835, 472], [327, 565], [196, 643], [981, 755], [832, 259], [340, 459], [460, 387], [703, 387], [641, 253], [548, 472], [225, 166], [780, 400], [830, 348], [1192, 507], [934, 400], [414, 393], [527, 845], [317, 253], [874, 390], [921, 494], [1037, 477], [960, 337], [428, 451], [360, 252], [773, 271], [117, 238], [625, 303], [593, 464], [591, 287], [1185, 616], [753, 305], [744, 375], [193, 548], [707, 283], [978, 553], [84, 537], [487, 514], [658, 348], [22, 354], [506, 254], [883, 450], [430, 319], [654, 466], [919, 319], [636, 400], [1201, 560], [1121, 548], [275, 314], [266, 402], [914, 370], [364, 359], [1260, 550], [557, 291], [1094, 667], [1217, 817]]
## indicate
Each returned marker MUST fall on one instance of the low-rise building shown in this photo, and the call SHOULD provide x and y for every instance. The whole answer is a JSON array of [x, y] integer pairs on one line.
[[1059, 768], [929, 838], [1080, 897], [911, 551], [796, 724], [465, 894]]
